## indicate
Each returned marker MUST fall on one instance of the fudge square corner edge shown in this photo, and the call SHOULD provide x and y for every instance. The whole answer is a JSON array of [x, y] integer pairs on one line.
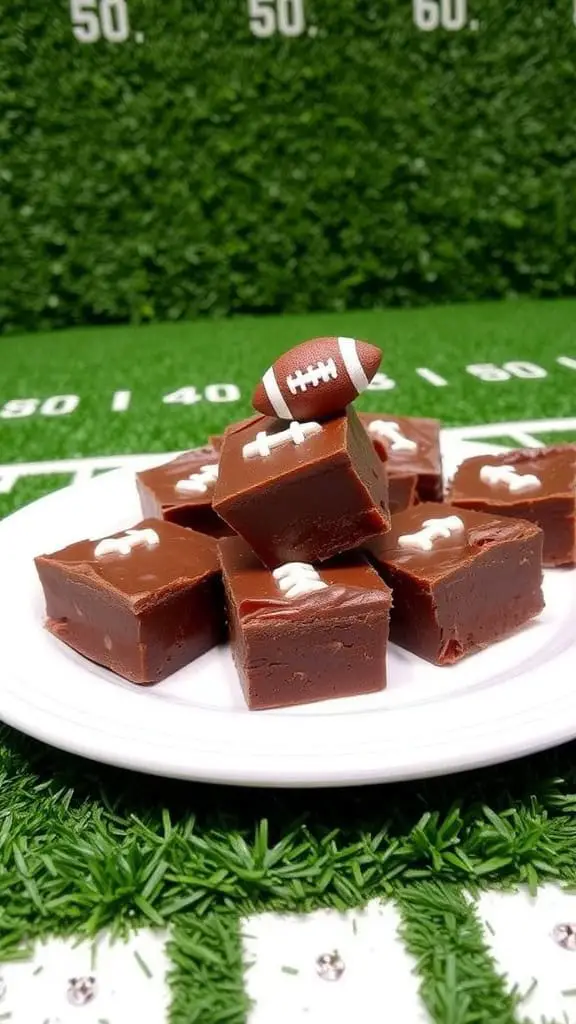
[[301, 633], [180, 491], [302, 491], [536, 484], [461, 580], [410, 447], [142, 602]]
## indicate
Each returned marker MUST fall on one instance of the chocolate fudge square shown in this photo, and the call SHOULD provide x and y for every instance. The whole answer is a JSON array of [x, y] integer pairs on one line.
[[408, 445], [301, 491], [402, 491], [181, 491], [143, 602], [537, 484], [303, 633], [460, 579]]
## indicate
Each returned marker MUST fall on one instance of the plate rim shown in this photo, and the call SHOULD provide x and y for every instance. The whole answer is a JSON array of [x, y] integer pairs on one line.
[[337, 773]]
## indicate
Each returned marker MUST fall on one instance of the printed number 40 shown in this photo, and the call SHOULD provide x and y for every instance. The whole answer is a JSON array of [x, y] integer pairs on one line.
[[270, 16], [212, 393], [431, 14], [95, 19]]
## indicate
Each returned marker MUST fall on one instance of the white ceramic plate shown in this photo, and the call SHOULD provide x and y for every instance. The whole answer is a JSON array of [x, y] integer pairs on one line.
[[516, 697]]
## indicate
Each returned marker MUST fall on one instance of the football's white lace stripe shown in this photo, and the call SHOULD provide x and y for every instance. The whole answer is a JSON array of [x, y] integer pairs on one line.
[[275, 395], [352, 363]]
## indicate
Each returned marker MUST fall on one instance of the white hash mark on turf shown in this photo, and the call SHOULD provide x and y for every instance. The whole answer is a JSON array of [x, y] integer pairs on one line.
[[283, 981], [518, 930], [130, 980], [526, 440]]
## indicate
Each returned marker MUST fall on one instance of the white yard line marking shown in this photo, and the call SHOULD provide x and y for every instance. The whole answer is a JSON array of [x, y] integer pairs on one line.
[[433, 378], [518, 929], [82, 474], [370, 967], [96, 462], [526, 440], [8, 478], [488, 430], [121, 401], [81, 470], [130, 981]]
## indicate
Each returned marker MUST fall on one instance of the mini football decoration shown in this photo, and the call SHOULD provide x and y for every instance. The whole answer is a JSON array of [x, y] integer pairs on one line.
[[316, 379]]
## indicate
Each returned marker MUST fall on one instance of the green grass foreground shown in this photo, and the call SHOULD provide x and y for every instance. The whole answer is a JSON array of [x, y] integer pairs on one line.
[[85, 847]]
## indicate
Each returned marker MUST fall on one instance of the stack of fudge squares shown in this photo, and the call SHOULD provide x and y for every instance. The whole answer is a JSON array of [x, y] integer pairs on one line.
[[312, 537]]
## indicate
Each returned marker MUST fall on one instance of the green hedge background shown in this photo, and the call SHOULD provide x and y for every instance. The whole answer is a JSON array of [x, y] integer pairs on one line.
[[206, 171]]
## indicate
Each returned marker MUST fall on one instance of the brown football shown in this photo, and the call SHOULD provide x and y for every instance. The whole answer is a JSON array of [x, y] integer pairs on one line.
[[316, 379]]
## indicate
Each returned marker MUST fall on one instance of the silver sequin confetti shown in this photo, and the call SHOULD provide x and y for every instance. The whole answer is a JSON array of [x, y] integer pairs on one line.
[[330, 966], [82, 990], [565, 936]]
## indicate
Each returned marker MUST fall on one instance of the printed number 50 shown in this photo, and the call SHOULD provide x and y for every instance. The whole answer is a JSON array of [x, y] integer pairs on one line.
[[270, 16], [92, 20]]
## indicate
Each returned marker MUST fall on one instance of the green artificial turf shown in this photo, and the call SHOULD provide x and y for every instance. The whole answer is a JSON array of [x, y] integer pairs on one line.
[[84, 846], [156, 360], [460, 983]]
